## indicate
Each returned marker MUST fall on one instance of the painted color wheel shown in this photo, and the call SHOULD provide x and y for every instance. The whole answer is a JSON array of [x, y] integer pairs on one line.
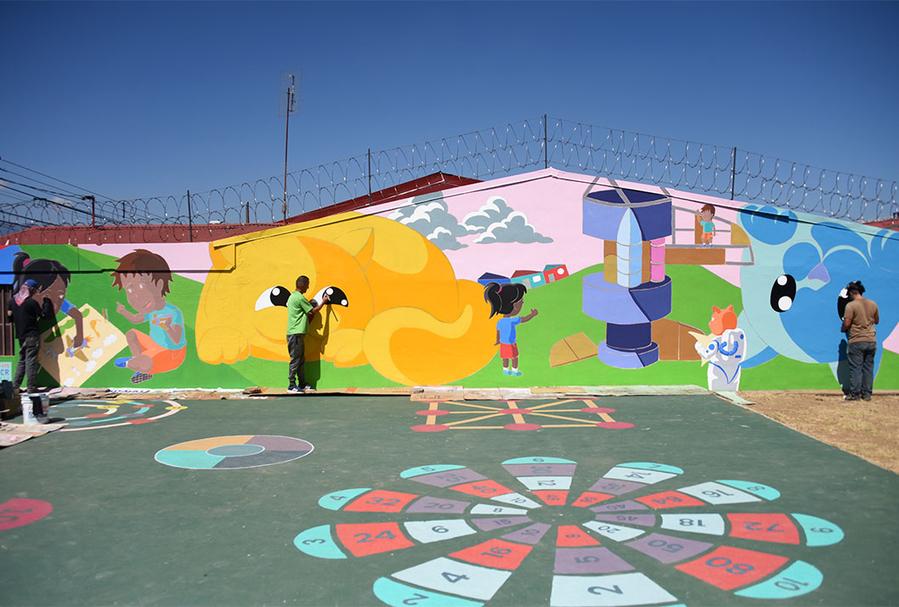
[[233, 452], [610, 535]]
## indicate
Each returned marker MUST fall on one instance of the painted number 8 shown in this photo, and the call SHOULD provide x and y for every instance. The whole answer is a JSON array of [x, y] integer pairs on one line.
[[729, 565]]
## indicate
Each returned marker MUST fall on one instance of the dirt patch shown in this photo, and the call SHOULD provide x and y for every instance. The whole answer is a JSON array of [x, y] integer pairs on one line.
[[868, 429]]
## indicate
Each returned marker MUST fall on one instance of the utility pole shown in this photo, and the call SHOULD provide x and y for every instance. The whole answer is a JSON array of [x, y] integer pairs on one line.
[[291, 106]]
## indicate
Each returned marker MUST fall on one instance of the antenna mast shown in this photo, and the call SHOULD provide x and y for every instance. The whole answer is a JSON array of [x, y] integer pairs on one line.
[[291, 107]]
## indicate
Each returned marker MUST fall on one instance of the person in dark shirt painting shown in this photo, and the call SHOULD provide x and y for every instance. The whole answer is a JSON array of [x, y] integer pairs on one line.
[[25, 313]]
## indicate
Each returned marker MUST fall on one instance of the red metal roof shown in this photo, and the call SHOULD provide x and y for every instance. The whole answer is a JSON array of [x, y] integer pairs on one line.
[[424, 185], [208, 232], [892, 224]]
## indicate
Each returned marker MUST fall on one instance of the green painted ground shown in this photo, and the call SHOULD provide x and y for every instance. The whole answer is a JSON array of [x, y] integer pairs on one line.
[[126, 530]]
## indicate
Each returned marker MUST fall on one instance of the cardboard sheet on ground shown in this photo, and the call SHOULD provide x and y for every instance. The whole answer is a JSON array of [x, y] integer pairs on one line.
[[70, 366]]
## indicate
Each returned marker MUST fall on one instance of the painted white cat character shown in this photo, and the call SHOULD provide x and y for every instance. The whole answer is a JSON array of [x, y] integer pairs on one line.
[[724, 350]]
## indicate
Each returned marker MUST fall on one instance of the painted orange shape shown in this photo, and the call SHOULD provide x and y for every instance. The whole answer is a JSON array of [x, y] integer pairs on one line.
[[728, 568], [484, 488], [497, 553], [371, 538], [776, 528], [380, 500], [591, 498], [571, 536], [552, 498]]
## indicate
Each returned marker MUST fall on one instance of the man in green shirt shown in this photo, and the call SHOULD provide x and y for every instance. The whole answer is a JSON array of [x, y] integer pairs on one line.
[[299, 312]]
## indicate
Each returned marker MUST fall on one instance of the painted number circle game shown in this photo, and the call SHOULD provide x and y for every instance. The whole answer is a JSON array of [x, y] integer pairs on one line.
[[602, 531]]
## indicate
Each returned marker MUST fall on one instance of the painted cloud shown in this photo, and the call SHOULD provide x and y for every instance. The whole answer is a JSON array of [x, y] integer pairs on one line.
[[495, 221], [428, 215]]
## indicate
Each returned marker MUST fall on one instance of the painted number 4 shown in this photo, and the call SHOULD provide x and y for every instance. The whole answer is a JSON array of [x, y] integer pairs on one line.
[[453, 577]]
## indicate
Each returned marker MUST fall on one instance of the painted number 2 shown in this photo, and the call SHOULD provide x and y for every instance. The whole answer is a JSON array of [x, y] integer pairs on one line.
[[364, 538]]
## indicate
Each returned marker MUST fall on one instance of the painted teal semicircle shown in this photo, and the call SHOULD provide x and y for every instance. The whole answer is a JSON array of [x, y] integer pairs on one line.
[[538, 460], [338, 499], [318, 542]]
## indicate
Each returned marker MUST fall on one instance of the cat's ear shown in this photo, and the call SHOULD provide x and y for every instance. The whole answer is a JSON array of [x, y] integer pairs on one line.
[[729, 308], [716, 309]]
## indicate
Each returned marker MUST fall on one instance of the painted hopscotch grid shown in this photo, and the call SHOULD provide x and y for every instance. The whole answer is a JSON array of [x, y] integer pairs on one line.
[[444, 415]]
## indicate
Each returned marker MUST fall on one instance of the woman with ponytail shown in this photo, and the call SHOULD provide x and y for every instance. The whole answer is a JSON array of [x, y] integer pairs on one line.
[[52, 279], [507, 299]]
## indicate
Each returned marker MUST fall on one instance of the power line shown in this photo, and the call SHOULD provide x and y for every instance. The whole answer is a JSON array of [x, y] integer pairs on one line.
[[49, 185], [56, 179]]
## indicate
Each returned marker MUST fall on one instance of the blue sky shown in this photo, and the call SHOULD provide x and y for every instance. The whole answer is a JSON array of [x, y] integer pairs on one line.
[[140, 99]]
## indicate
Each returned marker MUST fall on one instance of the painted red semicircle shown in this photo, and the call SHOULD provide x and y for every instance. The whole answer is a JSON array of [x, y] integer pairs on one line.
[[438, 412], [615, 425], [430, 428], [522, 427], [19, 512]]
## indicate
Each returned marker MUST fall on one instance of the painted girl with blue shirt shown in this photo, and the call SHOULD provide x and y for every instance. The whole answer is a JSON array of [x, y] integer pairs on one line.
[[507, 299], [52, 280]]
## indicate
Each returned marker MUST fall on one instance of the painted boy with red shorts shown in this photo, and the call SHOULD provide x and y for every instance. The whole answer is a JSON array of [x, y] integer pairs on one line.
[[145, 278]]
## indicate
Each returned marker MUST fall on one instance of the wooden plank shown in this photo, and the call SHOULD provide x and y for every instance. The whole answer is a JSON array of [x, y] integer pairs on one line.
[[699, 256]]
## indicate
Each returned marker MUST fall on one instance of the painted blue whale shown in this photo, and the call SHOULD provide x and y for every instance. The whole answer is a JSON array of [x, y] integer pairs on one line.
[[801, 263]]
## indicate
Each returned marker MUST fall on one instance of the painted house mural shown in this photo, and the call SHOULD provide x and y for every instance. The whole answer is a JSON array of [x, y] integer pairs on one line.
[[633, 284]]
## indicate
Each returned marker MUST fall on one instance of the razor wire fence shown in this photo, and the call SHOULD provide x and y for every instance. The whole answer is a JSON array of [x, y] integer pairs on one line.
[[513, 148]]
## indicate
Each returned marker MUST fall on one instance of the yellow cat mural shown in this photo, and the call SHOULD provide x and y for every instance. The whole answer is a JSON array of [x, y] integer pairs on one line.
[[401, 308]]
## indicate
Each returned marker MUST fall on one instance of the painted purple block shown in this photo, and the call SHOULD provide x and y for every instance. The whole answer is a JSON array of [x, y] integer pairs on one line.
[[653, 298], [532, 534], [641, 520], [437, 505], [613, 487], [449, 478], [281, 443], [628, 359], [541, 469], [625, 506], [266, 458], [601, 221], [667, 548], [610, 302], [629, 337], [589, 560], [655, 220], [489, 524]]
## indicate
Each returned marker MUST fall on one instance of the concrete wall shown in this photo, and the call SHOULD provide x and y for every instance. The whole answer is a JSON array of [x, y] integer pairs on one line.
[[626, 288]]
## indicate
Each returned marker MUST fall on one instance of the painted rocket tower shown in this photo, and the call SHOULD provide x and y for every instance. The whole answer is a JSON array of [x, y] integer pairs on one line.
[[633, 290]]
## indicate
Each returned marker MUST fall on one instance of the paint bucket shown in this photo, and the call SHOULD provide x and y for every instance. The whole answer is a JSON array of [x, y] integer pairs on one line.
[[34, 405], [27, 409]]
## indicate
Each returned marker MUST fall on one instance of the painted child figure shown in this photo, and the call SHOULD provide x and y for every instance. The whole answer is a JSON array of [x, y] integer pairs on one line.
[[507, 299], [705, 215], [723, 349], [145, 277]]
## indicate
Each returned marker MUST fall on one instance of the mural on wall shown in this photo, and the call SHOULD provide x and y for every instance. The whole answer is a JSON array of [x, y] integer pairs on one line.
[[788, 295], [507, 300], [623, 276], [145, 277], [628, 296], [405, 312], [723, 350]]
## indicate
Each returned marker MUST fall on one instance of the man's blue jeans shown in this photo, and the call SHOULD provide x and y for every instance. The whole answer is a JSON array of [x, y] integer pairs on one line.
[[861, 367]]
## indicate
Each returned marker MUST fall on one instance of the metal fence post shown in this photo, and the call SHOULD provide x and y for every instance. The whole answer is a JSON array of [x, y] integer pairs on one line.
[[545, 144], [190, 218], [733, 171], [369, 172]]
